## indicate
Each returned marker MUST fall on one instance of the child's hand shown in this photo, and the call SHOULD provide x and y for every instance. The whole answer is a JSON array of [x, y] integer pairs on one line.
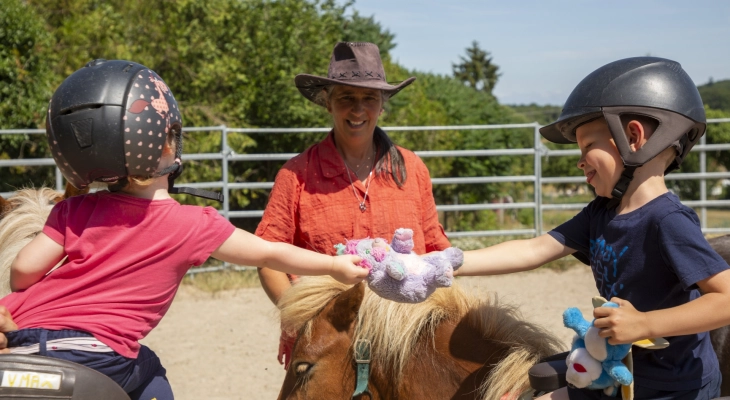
[[622, 325], [346, 270], [6, 325]]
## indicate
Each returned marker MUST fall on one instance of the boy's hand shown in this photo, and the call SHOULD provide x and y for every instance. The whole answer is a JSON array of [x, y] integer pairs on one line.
[[621, 325], [346, 270]]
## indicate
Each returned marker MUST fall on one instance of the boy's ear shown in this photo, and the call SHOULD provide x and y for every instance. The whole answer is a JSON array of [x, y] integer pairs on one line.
[[636, 134]]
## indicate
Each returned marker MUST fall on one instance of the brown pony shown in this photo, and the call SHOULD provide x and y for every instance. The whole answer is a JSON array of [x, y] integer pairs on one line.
[[721, 336], [22, 217], [452, 346]]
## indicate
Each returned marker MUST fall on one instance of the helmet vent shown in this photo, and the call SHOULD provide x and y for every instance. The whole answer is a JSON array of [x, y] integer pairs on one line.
[[692, 134], [72, 110], [82, 131]]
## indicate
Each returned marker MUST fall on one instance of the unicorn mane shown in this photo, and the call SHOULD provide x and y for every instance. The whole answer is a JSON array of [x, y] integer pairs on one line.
[[394, 329], [21, 220]]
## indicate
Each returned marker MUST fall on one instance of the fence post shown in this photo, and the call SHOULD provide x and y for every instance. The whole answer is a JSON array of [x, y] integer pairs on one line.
[[703, 182], [225, 152], [59, 180], [538, 181]]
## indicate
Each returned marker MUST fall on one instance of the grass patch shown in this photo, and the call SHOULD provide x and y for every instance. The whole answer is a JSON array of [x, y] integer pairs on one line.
[[227, 279]]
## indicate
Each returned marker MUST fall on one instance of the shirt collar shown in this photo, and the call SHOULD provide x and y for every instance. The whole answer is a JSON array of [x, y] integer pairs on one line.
[[329, 157]]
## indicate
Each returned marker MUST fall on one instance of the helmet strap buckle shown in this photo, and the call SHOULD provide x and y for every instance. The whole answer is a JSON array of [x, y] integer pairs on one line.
[[621, 187]]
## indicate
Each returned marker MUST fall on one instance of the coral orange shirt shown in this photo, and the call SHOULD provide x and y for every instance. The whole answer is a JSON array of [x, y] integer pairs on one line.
[[313, 206]]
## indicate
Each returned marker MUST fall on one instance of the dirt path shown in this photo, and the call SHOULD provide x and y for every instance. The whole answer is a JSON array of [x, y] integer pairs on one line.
[[223, 346]]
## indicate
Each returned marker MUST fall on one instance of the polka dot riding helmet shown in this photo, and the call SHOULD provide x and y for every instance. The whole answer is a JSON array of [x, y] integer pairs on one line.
[[110, 120]]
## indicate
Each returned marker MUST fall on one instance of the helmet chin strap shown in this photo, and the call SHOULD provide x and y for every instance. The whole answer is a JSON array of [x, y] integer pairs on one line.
[[621, 187], [175, 170]]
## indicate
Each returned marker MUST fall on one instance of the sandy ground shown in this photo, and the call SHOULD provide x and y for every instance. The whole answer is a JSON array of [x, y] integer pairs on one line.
[[223, 345]]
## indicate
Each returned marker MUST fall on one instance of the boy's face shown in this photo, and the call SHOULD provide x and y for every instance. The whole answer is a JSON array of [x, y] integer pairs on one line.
[[600, 159]]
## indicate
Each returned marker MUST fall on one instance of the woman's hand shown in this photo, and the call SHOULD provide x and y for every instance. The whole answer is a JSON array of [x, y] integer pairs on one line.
[[622, 325], [345, 269]]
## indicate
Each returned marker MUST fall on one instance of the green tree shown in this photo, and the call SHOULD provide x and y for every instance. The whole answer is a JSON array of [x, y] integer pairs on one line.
[[716, 94], [477, 69], [25, 88]]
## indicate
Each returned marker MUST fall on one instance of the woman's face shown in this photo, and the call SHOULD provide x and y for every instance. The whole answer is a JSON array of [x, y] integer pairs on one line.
[[355, 110]]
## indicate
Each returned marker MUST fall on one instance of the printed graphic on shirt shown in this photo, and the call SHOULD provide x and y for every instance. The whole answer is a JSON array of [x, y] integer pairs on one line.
[[605, 265]]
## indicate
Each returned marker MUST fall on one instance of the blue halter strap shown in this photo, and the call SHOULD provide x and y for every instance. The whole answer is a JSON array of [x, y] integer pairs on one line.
[[362, 359]]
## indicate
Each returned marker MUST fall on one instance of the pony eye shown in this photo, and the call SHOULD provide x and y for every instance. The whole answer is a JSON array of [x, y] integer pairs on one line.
[[302, 368]]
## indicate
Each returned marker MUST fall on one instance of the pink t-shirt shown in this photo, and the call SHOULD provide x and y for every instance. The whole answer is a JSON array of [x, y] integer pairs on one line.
[[126, 258]]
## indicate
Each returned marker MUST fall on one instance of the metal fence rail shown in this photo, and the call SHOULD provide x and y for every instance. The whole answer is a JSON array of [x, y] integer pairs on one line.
[[540, 153]]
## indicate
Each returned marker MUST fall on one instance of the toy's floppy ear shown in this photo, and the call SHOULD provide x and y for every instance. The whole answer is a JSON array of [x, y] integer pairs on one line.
[[573, 319]]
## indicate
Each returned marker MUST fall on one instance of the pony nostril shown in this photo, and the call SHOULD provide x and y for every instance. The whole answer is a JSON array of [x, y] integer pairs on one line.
[[579, 368], [302, 368]]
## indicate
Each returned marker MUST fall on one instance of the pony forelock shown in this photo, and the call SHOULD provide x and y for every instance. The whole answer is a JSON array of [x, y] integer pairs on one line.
[[394, 328]]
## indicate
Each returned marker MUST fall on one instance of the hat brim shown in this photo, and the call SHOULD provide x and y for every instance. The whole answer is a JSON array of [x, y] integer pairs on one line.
[[311, 85]]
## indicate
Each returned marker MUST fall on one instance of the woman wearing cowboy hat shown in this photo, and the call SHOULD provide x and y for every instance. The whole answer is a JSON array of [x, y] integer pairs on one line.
[[356, 183]]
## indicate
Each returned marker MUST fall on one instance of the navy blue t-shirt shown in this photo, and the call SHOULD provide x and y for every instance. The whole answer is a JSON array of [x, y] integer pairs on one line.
[[653, 257]]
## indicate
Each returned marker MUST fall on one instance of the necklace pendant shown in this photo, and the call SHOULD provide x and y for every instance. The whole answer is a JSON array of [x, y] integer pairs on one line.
[[363, 207]]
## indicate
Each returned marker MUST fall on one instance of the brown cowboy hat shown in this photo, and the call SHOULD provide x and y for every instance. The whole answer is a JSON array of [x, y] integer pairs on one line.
[[353, 64]]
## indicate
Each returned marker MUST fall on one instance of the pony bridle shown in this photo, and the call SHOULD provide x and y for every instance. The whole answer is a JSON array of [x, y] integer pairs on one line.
[[362, 368]]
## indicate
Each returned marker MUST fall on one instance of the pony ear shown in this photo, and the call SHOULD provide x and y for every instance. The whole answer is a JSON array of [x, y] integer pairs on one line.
[[4, 206], [345, 307], [72, 191]]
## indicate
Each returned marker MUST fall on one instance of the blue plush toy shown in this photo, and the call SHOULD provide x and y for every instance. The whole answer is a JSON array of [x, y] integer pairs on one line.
[[593, 363], [397, 273]]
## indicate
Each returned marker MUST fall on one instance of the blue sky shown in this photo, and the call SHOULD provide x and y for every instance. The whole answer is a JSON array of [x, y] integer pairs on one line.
[[544, 48]]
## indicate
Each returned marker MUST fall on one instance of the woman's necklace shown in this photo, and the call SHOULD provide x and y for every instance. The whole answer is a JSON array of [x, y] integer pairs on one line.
[[366, 163], [363, 207]]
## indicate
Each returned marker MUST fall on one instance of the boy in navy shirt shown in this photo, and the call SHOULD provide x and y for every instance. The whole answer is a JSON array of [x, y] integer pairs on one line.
[[635, 120]]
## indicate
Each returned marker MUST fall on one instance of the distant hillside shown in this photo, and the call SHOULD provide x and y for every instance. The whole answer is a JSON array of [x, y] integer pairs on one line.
[[716, 95], [533, 112]]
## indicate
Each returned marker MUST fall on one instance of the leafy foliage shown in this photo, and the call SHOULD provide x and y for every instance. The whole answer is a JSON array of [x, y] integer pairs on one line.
[[716, 95], [25, 88], [477, 69], [545, 114]]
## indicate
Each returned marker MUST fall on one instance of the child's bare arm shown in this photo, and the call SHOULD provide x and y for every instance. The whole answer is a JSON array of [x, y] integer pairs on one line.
[[34, 261], [512, 256], [626, 325], [244, 248]]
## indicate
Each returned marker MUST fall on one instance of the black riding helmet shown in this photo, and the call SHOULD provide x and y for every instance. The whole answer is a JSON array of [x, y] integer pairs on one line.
[[109, 120], [653, 87]]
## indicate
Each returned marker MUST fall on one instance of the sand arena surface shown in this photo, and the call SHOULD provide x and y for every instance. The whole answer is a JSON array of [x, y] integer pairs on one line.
[[224, 345]]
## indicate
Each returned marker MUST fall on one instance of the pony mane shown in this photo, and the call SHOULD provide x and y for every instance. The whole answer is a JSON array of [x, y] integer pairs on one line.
[[394, 328], [20, 221]]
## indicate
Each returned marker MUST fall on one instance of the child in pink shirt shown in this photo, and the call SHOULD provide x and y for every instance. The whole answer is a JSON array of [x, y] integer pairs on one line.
[[125, 251]]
